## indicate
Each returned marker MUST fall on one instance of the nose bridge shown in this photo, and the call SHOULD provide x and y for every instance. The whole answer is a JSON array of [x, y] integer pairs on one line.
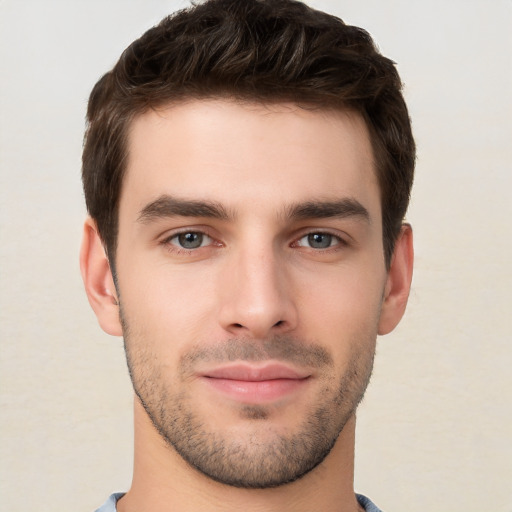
[[258, 300]]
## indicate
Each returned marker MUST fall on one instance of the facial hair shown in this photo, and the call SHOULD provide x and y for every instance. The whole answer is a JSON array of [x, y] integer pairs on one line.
[[261, 456]]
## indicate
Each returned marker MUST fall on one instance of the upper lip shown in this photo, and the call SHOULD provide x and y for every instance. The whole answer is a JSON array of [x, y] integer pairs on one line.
[[253, 373]]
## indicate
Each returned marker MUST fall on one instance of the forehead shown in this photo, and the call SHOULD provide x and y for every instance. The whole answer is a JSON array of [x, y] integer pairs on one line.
[[244, 155]]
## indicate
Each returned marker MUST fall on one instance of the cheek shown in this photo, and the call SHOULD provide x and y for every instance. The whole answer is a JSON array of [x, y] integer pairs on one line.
[[342, 309], [166, 305]]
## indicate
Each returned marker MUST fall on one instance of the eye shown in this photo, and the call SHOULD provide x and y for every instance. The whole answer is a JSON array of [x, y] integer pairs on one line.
[[319, 240], [190, 240]]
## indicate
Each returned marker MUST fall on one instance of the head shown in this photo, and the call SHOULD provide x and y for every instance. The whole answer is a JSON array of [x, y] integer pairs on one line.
[[265, 51], [247, 167]]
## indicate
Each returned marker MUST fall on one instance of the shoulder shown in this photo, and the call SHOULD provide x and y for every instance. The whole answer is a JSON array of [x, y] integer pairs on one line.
[[110, 504], [367, 504]]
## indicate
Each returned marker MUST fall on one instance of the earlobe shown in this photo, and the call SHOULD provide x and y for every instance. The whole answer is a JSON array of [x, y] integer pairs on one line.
[[398, 284], [98, 280]]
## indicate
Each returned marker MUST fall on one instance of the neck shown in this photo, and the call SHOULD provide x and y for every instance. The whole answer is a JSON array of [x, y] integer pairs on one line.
[[163, 481]]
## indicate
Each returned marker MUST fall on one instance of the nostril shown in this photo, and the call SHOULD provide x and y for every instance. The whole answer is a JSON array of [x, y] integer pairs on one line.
[[277, 324]]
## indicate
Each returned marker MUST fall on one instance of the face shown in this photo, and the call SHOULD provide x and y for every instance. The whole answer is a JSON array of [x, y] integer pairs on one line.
[[251, 276]]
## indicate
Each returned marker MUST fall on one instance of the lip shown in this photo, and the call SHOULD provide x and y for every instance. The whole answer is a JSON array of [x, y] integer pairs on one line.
[[252, 373], [250, 384]]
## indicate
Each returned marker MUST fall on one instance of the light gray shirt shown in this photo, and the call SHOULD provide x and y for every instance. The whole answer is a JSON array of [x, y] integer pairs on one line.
[[110, 504]]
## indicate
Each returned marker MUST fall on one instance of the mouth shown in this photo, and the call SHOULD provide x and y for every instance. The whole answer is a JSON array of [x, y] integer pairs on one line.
[[251, 384]]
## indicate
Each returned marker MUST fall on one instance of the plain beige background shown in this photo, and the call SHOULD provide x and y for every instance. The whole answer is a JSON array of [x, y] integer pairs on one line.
[[435, 429]]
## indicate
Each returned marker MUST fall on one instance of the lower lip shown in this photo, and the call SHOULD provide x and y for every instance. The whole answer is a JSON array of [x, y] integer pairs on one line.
[[252, 392]]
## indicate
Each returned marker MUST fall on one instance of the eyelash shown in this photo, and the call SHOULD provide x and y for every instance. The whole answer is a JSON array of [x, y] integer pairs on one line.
[[340, 243], [176, 249]]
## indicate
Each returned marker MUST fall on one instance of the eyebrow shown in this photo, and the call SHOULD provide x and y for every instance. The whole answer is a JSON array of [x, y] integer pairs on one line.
[[166, 206], [342, 208]]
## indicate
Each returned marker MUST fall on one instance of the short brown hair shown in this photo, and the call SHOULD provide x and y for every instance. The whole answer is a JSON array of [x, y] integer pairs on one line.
[[257, 50]]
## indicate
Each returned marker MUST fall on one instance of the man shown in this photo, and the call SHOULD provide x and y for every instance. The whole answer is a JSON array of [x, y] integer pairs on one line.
[[247, 168]]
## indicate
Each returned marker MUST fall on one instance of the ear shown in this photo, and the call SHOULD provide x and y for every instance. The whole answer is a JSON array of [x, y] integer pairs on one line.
[[98, 280], [398, 283]]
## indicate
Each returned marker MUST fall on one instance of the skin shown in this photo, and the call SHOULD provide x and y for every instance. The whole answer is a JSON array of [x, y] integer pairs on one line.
[[270, 272]]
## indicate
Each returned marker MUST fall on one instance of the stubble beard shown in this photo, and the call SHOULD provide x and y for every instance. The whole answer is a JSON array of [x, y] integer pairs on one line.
[[261, 457]]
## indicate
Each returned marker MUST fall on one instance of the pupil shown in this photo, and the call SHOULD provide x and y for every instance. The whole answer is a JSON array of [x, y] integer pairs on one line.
[[190, 240], [320, 240]]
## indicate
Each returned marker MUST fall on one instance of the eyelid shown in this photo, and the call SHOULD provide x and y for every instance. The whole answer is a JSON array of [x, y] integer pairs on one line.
[[166, 239], [172, 232], [342, 241], [343, 238], [205, 241]]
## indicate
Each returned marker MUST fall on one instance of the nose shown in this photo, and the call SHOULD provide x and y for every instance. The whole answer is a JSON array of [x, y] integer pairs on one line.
[[257, 297]]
